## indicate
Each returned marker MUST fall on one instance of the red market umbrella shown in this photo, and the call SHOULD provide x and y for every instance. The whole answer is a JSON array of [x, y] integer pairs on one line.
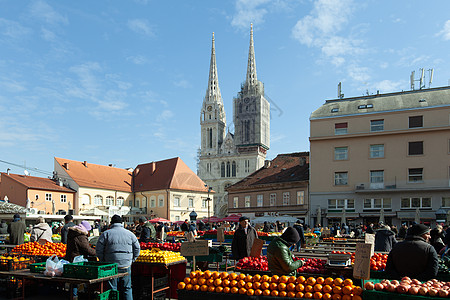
[[178, 222], [232, 218], [212, 219], [155, 220]]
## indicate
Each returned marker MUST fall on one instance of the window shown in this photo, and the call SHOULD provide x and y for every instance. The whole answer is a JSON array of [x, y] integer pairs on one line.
[[210, 136], [340, 204], [340, 178], [138, 202], [208, 167], [233, 169], [415, 175], [377, 151], [377, 203], [416, 202], [160, 202], [222, 169], [376, 177], [120, 201], [235, 202], [48, 197], [228, 169], [415, 121], [153, 202], [176, 201], [445, 201], [63, 198], [191, 202], [247, 165], [98, 200], [415, 148], [341, 153], [130, 203], [204, 204], [86, 199], [177, 218], [286, 198], [109, 200], [340, 128], [259, 200], [300, 197], [273, 199], [247, 201], [376, 125]]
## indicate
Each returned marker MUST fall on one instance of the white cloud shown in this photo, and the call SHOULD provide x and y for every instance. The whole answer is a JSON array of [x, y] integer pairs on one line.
[[165, 115], [140, 26], [46, 13], [12, 29], [445, 32], [182, 83], [387, 86], [48, 35], [137, 59], [249, 11], [10, 85], [357, 73]]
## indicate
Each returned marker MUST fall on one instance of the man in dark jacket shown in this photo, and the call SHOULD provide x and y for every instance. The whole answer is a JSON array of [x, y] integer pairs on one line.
[[298, 226], [68, 222], [384, 239], [243, 239], [402, 231], [185, 226], [16, 231], [369, 229], [414, 257], [280, 258], [148, 231]]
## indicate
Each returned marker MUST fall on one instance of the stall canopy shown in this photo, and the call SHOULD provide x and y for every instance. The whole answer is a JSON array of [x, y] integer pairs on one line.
[[232, 218], [212, 219], [156, 220], [10, 208], [273, 219], [94, 212]]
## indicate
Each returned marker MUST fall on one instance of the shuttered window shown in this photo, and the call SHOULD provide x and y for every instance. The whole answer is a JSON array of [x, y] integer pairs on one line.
[[415, 148], [415, 121]]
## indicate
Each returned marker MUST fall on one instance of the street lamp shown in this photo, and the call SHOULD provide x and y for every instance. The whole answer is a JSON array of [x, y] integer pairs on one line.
[[208, 199]]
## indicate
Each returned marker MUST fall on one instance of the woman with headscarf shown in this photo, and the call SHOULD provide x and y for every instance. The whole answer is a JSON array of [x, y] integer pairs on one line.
[[77, 241], [41, 232]]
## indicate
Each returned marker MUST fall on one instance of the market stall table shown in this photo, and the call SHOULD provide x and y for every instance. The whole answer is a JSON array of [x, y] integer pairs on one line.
[[26, 274]]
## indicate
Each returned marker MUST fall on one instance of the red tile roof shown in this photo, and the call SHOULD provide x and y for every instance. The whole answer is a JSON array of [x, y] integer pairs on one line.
[[38, 183], [167, 174], [284, 168], [86, 174]]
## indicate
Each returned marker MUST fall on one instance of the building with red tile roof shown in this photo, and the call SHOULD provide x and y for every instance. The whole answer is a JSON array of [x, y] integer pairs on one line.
[[280, 187]]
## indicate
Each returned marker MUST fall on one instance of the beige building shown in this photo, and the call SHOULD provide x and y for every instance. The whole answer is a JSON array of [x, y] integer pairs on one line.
[[279, 188], [384, 153]]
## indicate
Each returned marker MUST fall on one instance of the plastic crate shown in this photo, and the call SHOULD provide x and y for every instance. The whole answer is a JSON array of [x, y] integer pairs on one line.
[[11, 265], [89, 270], [38, 267], [109, 294]]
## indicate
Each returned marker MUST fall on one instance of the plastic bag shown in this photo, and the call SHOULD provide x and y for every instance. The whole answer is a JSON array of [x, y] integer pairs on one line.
[[79, 258], [54, 266]]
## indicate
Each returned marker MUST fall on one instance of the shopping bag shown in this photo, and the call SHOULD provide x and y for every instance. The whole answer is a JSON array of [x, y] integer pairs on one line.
[[54, 266], [79, 258]]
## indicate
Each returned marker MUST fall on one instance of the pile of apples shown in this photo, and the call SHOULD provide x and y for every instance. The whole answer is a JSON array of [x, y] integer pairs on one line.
[[312, 265], [433, 287], [163, 246], [253, 263]]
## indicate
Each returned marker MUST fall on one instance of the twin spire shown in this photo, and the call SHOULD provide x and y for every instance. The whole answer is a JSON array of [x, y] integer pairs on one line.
[[251, 78]]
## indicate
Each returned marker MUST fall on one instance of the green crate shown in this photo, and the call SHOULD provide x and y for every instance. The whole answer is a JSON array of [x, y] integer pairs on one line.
[[90, 270], [38, 267], [109, 294]]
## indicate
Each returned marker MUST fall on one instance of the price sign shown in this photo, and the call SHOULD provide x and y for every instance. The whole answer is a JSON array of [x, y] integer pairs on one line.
[[257, 248], [197, 248], [220, 234], [361, 268], [95, 232], [370, 239]]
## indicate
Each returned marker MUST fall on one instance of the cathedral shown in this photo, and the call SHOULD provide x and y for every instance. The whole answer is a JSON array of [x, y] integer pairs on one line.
[[225, 157]]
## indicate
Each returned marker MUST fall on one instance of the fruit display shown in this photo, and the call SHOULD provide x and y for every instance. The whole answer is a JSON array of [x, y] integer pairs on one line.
[[274, 286], [444, 266], [310, 235], [159, 256], [34, 248], [433, 288], [332, 239], [310, 265], [56, 238], [162, 246], [253, 263], [8, 263], [175, 233], [377, 261]]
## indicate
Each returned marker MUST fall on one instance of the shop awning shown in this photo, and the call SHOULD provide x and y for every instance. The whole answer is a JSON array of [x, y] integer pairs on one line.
[[377, 214], [410, 215], [348, 215]]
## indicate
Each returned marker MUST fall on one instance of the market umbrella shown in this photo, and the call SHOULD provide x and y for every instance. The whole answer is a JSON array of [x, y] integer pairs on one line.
[[417, 217], [6, 199], [381, 216], [94, 212], [212, 219], [232, 218], [156, 220], [319, 215], [53, 207], [178, 222], [343, 217]]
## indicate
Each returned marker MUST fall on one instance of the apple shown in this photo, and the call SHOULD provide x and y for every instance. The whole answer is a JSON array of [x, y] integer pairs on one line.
[[369, 285], [414, 290], [423, 291], [402, 289], [432, 292], [391, 288], [443, 293], [379, 286]]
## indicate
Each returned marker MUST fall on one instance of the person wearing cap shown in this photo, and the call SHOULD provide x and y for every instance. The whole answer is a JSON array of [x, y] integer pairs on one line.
[[77, 241], [279, 256], [68, 222], [384, 239], [16, 230], [243, 239], [41, 232], [414, 257], [148, 232], [402, 231]]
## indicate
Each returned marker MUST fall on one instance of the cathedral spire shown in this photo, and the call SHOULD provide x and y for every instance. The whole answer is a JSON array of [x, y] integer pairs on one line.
[[213, 92], [251, 78]]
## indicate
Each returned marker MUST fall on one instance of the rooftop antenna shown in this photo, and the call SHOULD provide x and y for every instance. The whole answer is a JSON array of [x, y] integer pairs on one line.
[[431, 71], [422, 77], [411, 78], [421, 80], [339, 94]]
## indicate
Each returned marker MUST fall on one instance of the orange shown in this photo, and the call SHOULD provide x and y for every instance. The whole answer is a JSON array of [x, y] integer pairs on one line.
[[181, 285], [241, 283], [224, 275], [274, 293], [256, 285], [291, 294], [317, 295], [189, 287], [226, 282], [309, 288], [326, 296], [290, 287], [327, 289], [242, 291], [258, 292], [215, 275], [348, 282], [193, 274], [233, 276], [338, 281], [210, 282], [248, 278], [233, 283], [211, 288], [248, 285], [266, 292], [282, 294], [329, 281], [300, 279], [194, 281], [196, 287], [320, 280], [299, 295], [275, 278], [207, 274], [257, 278], [311, 281], [347, 290], [226, 289], [234, 290], [219, 289], [337, 290], [299, 287], [346, 297], [356, 297], [308, 295], [250, 292], [200, 274], [336, 297], [284, 279], [273, 286], [265, 278], [241, 276], [292, 279], [187, 280], [265, 285], [218, 282], [204, 288], [357, 290], [282, 286]]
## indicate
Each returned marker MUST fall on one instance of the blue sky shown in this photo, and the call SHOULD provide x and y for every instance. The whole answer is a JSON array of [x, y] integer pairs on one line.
[[123, 82]]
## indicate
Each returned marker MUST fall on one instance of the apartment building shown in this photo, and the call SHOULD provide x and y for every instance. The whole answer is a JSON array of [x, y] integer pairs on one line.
[[381, 154]]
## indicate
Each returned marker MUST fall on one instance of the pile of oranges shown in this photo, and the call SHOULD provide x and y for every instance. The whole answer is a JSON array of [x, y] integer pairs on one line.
[[275, 286], [34, 248]]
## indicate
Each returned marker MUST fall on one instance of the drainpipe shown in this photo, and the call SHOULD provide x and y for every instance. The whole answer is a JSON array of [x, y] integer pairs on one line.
[[168, 205]]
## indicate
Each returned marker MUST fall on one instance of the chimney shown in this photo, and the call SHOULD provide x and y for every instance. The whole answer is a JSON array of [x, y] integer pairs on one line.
[[7, 171], [110, 165], [66, 165], [85, 163], [60, 182], [267, 163], [153, 167]]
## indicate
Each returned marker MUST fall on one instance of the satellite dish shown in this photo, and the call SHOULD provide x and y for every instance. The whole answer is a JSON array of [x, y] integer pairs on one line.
[[26, 172]]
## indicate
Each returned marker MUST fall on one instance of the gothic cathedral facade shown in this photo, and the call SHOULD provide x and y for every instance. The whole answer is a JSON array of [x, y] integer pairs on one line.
[[226, 158]]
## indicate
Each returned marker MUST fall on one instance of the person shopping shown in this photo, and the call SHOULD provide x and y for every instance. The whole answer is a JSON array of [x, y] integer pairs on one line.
[[280, 258]]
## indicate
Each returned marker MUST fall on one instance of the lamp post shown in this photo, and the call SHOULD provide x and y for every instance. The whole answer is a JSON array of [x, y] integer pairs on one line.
[[208, 199]]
